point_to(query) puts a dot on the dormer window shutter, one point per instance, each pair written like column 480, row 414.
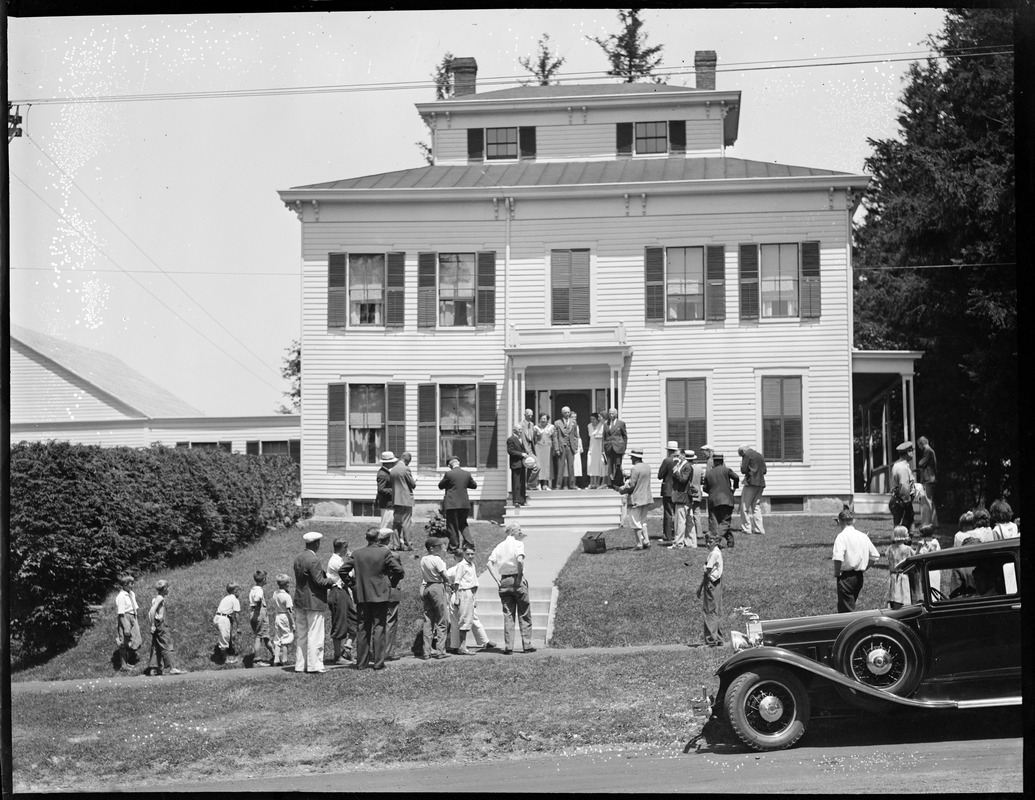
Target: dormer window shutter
column 526, row 143
column 337, row 292
column 749, row 301
column 475, row 144
column 624, row 139
column 654, row 284
column 486, row 300
column 427, row 278
column 715, row 281
column 677, row 137
column 395, row 283
column 810, row 294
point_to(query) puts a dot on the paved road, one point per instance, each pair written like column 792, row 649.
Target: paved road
column 925, row 754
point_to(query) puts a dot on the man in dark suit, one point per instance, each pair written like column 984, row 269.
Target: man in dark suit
column 310, row 601
column 457, row 503
column 528, row 436
column 384, row 535
column 615, row 438
column 720, row 482
column 385, row 494
column 377, row 570
column 517, row 451
column 668, row 506
column 565, row 438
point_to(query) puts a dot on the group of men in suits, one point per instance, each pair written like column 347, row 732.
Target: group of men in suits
column 395, row 485
column 376, row 572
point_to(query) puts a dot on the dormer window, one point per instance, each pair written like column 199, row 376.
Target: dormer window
column 500, row 144
column 650, row 138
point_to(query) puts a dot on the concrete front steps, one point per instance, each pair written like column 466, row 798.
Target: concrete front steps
column 554, row 523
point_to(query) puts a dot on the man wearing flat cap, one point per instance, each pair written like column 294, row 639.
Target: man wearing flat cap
column 902, row 487
column 377, row 570
column 311, row 584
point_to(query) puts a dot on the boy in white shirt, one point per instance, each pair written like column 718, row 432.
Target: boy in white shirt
column 127, row 632
column 463, row 614
column 283, row 626
column 161, row 636
column 225, row 621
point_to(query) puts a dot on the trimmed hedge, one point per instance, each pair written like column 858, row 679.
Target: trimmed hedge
column 83, row 514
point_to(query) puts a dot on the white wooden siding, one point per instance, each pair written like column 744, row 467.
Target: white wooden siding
column 731, row 353
column 43, row 392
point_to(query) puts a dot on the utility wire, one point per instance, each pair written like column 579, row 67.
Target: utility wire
column 745, row 66
column 96, row 205
column 141, row 285
column 933, row 266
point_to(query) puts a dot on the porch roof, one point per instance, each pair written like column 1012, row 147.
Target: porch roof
column 874, row 371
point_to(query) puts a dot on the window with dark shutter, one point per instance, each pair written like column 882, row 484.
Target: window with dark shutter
column 487, row 430
column 810, row 286
column 427, row 426
column 295, row 450
column 337, row 426
column 654, row 284
column 569, row 287
column 749, row 281
column 677, row 137
column 624, row 139
column 427, row 307
column 337, row 292
column 782, row 428
column 715, row 282
column 396, row 417
column 686, row 411
column 527, row 141
column 475, row 144
column 395, row 297
column 251, row 448
column 485, row 303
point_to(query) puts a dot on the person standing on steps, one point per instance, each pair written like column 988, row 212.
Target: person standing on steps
column 528, row 437
column 544, row 451
column 507, row 567
column 565, row 442
column 615, row 439
column 517, row 452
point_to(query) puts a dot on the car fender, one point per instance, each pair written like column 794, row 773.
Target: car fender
column 746, row 659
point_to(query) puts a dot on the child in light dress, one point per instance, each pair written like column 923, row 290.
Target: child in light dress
column 283, row 628
column 897, row 552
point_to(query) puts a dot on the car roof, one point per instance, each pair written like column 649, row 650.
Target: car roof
column 952, row 553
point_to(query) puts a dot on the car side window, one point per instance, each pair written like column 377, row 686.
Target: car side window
column 988, row 576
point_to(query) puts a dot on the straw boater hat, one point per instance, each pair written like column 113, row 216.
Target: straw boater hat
column 388, row 457
column 636, row 454
column 672, row 445
column 707, row 447
column 312, row 536
column 689, row 453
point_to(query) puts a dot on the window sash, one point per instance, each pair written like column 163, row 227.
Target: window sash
column 684, row 283
column 686, row 411
column 456, row 289
column 367, row 415
column 501, row 143
column 778, row 280
column 651, row 137
column 782, row 418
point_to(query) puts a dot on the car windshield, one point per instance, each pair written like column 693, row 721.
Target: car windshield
column 978, row 575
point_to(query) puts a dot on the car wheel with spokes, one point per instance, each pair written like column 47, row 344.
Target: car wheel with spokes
column 884, row 656
column 767, row 708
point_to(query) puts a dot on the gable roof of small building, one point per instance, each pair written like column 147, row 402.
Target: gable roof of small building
column 107, row 373
column 573, row 173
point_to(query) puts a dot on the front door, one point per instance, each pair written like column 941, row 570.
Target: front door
column 580, row 401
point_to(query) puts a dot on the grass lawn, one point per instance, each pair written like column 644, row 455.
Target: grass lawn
column 266, row 722
column 641, row 597
column 197, row 589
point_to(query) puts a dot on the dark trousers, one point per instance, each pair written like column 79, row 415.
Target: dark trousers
column 516, row 603
column 849, row 584
column 614, row 467
column 711, row 608
column 344, row 618
column 517, row 484
column 901, row 511
column 436, row 617
column 719, row 518
column 565, row 468
column 370, row 638
column 668, row 520
column 161, row 645
column 456, row 527
column 392, row 632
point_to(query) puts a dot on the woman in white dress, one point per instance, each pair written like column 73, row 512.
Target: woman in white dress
column 577, row 471
column 595, row 467
column 544, row 451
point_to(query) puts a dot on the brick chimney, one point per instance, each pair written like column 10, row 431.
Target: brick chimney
column 704, row 66
column 465, row 76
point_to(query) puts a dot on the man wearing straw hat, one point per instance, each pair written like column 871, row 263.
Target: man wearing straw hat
column 385, row 494
column 638, row 488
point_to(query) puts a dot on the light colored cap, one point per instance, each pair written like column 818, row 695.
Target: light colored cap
column 384, row 533
column 312, row 536
column 672, row 445
column 707, row 447
column 904, row 447
column 388, row 457
column 690, row 454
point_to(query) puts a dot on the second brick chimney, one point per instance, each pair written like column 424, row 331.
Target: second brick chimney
column 465, row 76
column 704, row 67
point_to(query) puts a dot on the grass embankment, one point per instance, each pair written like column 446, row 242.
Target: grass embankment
column 267, row 722
column 197, row 589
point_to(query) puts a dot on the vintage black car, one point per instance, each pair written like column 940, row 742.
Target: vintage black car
column 958, row 645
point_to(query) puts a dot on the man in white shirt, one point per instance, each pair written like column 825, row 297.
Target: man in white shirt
column 507, row 567
column 853, row 552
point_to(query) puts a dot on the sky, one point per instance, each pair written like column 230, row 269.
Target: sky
column 151, row 228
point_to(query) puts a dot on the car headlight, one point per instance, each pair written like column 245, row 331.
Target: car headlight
column 753, row 637
column 739, row 641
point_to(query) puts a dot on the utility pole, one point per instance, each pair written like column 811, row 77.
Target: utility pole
column 14, row 122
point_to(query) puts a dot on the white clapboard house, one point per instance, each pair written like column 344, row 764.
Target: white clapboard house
column 585, row 246
column 63, row 391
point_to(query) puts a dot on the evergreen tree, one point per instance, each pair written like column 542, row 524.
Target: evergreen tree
column 631, row 59
column 943, row 193
column 546, row 63
column 443, row 79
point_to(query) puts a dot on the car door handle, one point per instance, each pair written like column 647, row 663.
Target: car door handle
column 1015, row 607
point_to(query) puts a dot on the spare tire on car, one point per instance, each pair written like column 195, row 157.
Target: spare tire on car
column 880, row 653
